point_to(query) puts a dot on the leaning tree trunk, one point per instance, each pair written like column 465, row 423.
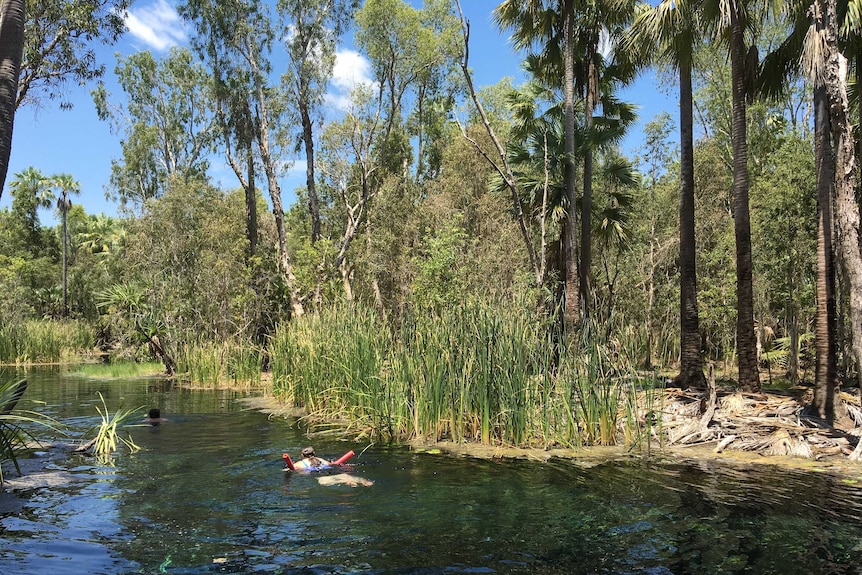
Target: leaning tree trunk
column 691, row 362
column 11, row 52
column 749, row 378
column 826, row 371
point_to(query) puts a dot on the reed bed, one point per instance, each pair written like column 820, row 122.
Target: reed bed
column 474, row 373
column 44, row 341
column 213, row 364
column 119, row 369
column 330, row 363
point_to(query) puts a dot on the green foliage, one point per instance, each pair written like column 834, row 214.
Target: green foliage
column 15, row 423
column 117, row 370
column 107, row 437
column 330, row 363
column 47, row 341
column 216, row 364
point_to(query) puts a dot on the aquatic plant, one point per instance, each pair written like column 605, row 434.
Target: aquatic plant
column 118, row 369
column 107, row 438
column 330, row 363
column 14, row 435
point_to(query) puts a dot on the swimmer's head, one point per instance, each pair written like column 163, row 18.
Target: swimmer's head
column 308, row 452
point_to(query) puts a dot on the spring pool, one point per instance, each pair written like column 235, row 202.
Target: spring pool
column 207, row 494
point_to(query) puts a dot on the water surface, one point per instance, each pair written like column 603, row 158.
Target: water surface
column 207, row 494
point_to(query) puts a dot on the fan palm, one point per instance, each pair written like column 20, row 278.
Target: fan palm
column 667, row 33
column 567, row 34
column 66, row 184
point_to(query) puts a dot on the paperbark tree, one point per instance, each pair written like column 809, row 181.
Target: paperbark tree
column 314, row 28
column 235, row 40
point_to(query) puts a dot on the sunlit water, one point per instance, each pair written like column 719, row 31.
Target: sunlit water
column 207, row 494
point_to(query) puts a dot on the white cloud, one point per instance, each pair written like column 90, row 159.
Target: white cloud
column 156, row 24
column 351, row 71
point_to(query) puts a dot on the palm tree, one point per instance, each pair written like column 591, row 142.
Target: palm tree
column 668, row 33
column 12, row 15
column 31, row 191
column 66, row 184
column 732, row 21
column 568, row 34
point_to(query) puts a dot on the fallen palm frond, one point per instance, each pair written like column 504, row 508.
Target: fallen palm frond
column 769, row 423
column 107, row 438
column 14, row 435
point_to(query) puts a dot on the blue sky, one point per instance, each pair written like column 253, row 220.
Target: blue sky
column 78, row 143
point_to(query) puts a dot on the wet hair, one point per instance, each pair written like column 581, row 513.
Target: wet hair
column 154, row 413
column 308, row 452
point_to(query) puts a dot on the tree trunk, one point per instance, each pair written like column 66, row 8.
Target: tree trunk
column 749, row 378
column 251, row 203
column 825, row 373
column 63, row 213
column 308, row 140
column 691, row 362
column 846, row 208
column 585, row 291
column 572, row 309
column 11, row 52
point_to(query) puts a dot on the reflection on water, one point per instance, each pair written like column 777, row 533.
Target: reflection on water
column 207, row 494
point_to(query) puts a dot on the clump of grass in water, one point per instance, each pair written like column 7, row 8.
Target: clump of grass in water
column 107, row 438
column 119, row 370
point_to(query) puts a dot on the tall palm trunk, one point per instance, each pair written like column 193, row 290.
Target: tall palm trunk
column 11, row 52
column 825, row 375
column 846, row 208
column 585, row 291
column 63, row 213
column 570, row 240
column 749, row 378
column 691, row 363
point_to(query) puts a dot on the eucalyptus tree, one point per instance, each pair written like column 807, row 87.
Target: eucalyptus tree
column 235, row 41
column 66, row 185
column 167, row 121
column 314, row 27
column 403, row 45
column 667, row 34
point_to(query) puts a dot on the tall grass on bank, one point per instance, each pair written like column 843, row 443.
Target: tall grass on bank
column 119, row 369
column 330, row 363
column 479, row 372
column 44, row 341
column 473, row 373
column 213, row 364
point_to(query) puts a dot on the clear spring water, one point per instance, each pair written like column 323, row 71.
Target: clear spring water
column 207, row 494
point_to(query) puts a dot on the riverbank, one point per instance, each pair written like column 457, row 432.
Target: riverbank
column 769, row 428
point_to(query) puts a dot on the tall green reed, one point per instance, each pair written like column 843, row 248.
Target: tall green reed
column 213, row 364
column 44, row 341
column 330, row 363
